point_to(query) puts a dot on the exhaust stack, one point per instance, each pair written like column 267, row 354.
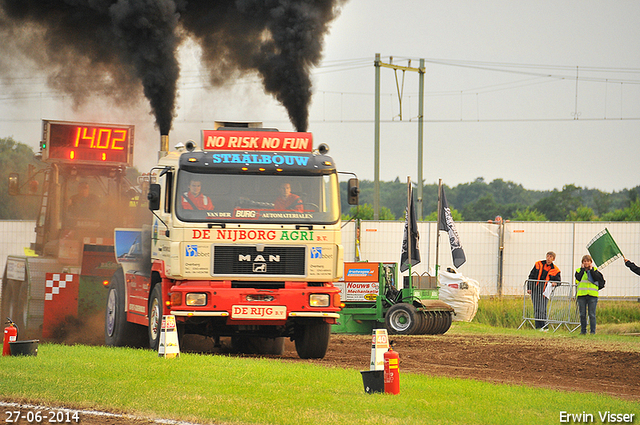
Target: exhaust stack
column 164, row 145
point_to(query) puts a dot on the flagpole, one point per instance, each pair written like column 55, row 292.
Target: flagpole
column 409, row 227
column 438, row 223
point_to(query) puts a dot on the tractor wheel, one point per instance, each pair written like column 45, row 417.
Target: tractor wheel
column 118, row 332
column 312, row 340
column 402, row 319
column 155, row 317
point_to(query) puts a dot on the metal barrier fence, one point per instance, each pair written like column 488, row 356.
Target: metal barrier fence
column 549, row 307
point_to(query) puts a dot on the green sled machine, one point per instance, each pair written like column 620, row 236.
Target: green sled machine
column 372, row 300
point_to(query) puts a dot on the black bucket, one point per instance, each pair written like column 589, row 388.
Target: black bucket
column 24, row 348
column 373, row 381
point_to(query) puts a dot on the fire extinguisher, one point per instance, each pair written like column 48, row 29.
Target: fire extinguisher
column 10, row 335
column 391, row 372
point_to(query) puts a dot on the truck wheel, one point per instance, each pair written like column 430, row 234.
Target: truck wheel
column 402, row 319
column 155, row 317
column 118, row 332
column 313, row 340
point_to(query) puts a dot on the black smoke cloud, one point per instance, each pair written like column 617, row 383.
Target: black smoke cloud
column 112, row 48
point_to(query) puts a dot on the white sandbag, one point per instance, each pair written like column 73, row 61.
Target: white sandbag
column 461, row 293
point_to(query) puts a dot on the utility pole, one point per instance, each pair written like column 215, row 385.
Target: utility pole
column 376, row 184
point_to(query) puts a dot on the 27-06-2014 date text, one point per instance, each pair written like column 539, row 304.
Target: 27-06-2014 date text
column 41, row 417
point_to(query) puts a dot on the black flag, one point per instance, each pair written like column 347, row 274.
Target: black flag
column 410, row 228
column 446, row 224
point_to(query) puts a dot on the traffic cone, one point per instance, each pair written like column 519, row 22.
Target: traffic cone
column 379, row 346
column 168, row 345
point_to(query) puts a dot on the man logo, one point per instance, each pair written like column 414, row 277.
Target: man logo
column 191, row 251
column 259, row 267
column 316, row 252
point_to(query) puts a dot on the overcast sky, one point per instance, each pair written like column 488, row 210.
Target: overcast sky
column 501, row 96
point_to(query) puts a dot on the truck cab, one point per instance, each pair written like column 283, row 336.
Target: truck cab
column 244, row 243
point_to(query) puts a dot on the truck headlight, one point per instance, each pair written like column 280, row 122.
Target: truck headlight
column 319, row 300
column 196, row 299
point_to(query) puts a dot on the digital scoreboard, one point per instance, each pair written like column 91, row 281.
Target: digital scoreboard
column 64, row 141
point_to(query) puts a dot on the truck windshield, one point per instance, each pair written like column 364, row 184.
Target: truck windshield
column 257, row 198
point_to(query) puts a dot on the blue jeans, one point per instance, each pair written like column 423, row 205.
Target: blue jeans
column 587, row 302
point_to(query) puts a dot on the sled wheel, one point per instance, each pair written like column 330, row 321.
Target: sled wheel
column 402, row 319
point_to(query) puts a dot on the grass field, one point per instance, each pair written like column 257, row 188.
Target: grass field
column 234, row 390
column 613, row 317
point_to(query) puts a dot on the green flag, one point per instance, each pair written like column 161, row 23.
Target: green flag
column 603, row 249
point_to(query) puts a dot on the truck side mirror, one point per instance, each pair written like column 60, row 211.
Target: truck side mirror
column 353, row 191
column 14, row 184
column 153, row 196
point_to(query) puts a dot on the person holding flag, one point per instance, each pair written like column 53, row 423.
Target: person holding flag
column 589, row 281
column 632, row 266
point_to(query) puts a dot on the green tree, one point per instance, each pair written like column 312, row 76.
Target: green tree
column 582, row 214
column 556, row 207
column 528, row 214
column 630, row 213
column 15, row 157
column 365, row 212
column 454, row 214
column 485, row 208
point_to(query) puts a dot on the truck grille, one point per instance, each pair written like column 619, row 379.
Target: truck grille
column 247, row 260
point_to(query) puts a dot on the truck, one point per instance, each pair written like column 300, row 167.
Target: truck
column 84, row 195
column 252, row 254
column 243, row 264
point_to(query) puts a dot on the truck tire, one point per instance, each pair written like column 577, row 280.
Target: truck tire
column 312, row 340
column 118, row 332
column 402, row 319
column 155, row 317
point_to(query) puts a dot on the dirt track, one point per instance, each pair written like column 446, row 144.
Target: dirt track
column 567, row 364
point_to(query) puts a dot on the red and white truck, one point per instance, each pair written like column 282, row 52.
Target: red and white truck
column 252, row 255
column 245, row 264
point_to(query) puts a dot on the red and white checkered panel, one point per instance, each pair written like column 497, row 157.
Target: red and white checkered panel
column 60, row 300
column 97, row 241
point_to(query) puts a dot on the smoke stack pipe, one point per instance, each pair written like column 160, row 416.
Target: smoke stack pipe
column 164, row 145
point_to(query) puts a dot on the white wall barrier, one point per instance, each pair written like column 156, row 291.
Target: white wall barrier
column 16, row 235
column 496, row 270
column 500, row 257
